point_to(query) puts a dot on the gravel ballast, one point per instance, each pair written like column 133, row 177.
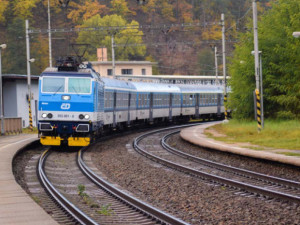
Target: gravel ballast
column 191, row 199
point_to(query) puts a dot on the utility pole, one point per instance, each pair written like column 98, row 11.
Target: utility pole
column 49, row 33
column 216, row 64
column 257, row 68
column 28, row 73
column 113, row 56
column 3, row 46
column 224, row 64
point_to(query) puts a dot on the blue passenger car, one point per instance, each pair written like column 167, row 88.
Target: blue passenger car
column 120, row 102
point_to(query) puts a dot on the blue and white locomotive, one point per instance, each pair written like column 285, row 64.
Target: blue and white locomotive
column 76, row 104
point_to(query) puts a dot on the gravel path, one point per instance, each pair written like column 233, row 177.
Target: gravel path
column 186, row 197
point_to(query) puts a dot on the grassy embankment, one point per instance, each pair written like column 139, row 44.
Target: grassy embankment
column 276, row 134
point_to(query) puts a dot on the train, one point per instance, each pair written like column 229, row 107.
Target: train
column 76, row 105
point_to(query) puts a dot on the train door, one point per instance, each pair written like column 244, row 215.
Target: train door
column 129, row 105
column 151, row 108
column 114, row 110
column 170, row 107
column 197, row 105
column 219, row 104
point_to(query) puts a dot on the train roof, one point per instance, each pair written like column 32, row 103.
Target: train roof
column 154, row 87
column 53, row 71
column 117, row 84
column 185, row 88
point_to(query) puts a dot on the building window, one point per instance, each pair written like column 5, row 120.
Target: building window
column 143, row 71
column 126, row 71
column 109, row 72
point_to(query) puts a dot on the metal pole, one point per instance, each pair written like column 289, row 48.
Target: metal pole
column 113, row 56
column 256, row 53
column 256, row 59
column 261, row 91
column 49, row 32
column 216, row 64
column 1, row 106
column 28, row 72
column 224, row 63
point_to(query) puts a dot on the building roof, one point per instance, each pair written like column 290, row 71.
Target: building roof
column 123, row 63
column 19, row 76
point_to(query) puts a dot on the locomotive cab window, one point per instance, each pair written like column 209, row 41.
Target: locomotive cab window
column 79, row 85
column 53, row 85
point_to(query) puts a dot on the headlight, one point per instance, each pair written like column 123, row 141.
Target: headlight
column 50, row 115
column 65, row 97
column 81, row 116
column 87, row 117
column 44, row 115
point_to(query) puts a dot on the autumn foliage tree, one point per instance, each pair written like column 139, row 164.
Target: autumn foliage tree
column 175, row 57
column 102, row 37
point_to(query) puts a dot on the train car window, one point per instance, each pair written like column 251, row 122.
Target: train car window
column 106, row 100
column 139, row 103
column 111, row 97
column 216, row 99
column 201, row 99
column 191, row 99
column 79, row 85
column 178, row 100
column 54, row 85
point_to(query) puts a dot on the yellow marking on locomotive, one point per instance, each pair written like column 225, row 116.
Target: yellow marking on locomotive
column 79, row 141
column 49, row 140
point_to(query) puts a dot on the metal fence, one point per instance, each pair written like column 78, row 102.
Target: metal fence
column 12, row 125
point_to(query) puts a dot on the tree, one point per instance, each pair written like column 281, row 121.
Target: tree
column 4, row 5
column 84, row 10
column 281, row 64
column 102, row 38
column 15, row 55
column 206, row 62
column 120, row 8
column 23, row 8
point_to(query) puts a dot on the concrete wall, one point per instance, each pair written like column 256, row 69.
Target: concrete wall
column 10, row 98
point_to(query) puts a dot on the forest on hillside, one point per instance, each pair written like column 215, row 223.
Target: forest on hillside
column 178, row 34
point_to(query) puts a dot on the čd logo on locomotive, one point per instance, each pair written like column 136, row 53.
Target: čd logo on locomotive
column 65, row 106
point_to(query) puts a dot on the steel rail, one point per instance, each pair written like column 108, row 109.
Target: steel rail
column 135, row 203
column 277, row 180
column 69, row 207
column 213, row 178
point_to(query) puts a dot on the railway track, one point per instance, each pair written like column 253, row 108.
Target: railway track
column 117, row 206
column 153, row 145
column 27, row 177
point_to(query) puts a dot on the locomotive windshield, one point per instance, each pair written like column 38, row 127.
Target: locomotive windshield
column 66, row 85
column 55, row 85
column 79, row 85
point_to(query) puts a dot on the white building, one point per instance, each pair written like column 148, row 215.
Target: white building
column 104, row 67
column 15, row 104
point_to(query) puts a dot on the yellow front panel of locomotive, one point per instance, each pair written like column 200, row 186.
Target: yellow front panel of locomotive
column 78, row 141
column 49, row 140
